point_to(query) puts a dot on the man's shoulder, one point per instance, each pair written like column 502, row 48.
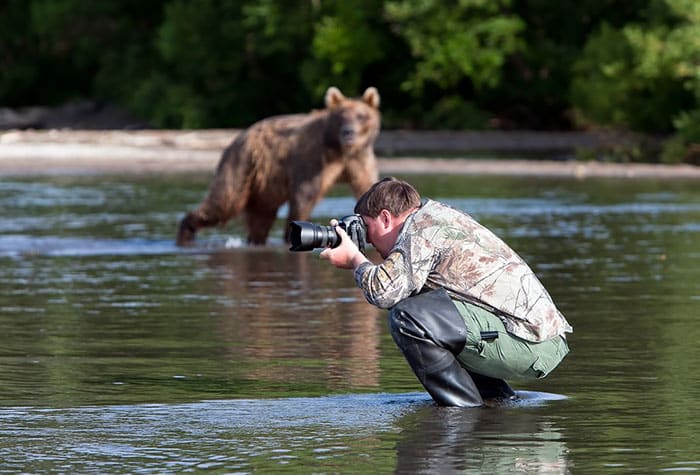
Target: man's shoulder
column 433, row 218
column 439, row 209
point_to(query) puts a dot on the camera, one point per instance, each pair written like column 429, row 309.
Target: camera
column 305, row 236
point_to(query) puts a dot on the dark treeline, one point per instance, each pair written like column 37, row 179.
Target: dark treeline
column 462, row 64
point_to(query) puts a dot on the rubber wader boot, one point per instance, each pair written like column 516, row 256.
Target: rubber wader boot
column 492, row 388
column 430, row 332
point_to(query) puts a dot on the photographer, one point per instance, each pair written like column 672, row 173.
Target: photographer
column 466, row 311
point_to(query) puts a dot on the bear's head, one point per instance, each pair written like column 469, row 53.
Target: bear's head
column 353, row 124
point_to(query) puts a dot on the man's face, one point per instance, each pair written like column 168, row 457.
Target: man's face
column 380, row 232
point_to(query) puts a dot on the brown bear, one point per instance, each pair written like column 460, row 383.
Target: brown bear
column 295, row 158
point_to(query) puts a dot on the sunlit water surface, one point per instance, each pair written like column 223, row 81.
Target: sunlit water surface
column 120, row 352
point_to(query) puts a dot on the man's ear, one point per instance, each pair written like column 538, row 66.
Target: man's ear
column 386, row 218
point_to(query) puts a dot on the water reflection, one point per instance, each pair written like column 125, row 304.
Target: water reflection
column 496, row 440
column 323, row 316
column 182, row 326
column 121, row 352
column 19, row 246
column 411, row 434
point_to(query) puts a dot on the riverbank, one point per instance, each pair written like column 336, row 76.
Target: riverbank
column 31, row 153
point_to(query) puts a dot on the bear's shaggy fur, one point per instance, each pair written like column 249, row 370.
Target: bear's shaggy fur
column 295, row 158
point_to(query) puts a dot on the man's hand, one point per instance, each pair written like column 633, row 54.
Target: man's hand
column 346, row 255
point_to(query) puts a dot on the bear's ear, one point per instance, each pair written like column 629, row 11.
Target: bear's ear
column 334, row 97
column 371, row 97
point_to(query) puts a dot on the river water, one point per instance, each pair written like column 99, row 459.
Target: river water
column 121, row 353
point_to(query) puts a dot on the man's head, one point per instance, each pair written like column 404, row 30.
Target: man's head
column 384, row 208
column 391, row 194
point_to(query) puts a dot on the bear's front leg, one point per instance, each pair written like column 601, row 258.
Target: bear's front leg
column 361, row 173
column 300, row 209
column 259, row 223
column 187, row 230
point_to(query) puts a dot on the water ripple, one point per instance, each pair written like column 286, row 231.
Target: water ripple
column 13, row 245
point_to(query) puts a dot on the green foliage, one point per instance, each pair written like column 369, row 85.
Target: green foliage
column 683, row 146
column 221, row 59
column 462, row 64
column 450, row 42
column 17, row 72
column 90, row 49
column 645, row 75
column 601, row 86
column 347, row 40
column 453, row 112
column 629, row 78
column 534, row 93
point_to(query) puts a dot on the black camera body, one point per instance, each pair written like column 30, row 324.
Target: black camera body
column 305, row 236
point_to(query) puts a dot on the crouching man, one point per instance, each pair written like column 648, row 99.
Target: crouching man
column 466, row 311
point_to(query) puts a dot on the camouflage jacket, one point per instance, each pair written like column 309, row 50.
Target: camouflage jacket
column 439, row 246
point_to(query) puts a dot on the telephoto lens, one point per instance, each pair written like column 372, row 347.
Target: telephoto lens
column 305, row 236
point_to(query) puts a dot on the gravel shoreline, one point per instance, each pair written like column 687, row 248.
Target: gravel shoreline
column 32, row 153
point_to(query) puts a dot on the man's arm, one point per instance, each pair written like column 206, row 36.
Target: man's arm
column 383, row 285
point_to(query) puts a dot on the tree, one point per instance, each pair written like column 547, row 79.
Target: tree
column 55, row 50
column 644, row 75
column 223, row 63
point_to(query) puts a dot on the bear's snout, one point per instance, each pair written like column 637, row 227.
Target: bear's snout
column 348, row 135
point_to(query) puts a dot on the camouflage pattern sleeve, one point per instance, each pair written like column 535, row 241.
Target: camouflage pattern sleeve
column 403, row 273
column 386, row 284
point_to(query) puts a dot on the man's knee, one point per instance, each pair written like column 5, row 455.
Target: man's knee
column 430, row 316
column 403, row 325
